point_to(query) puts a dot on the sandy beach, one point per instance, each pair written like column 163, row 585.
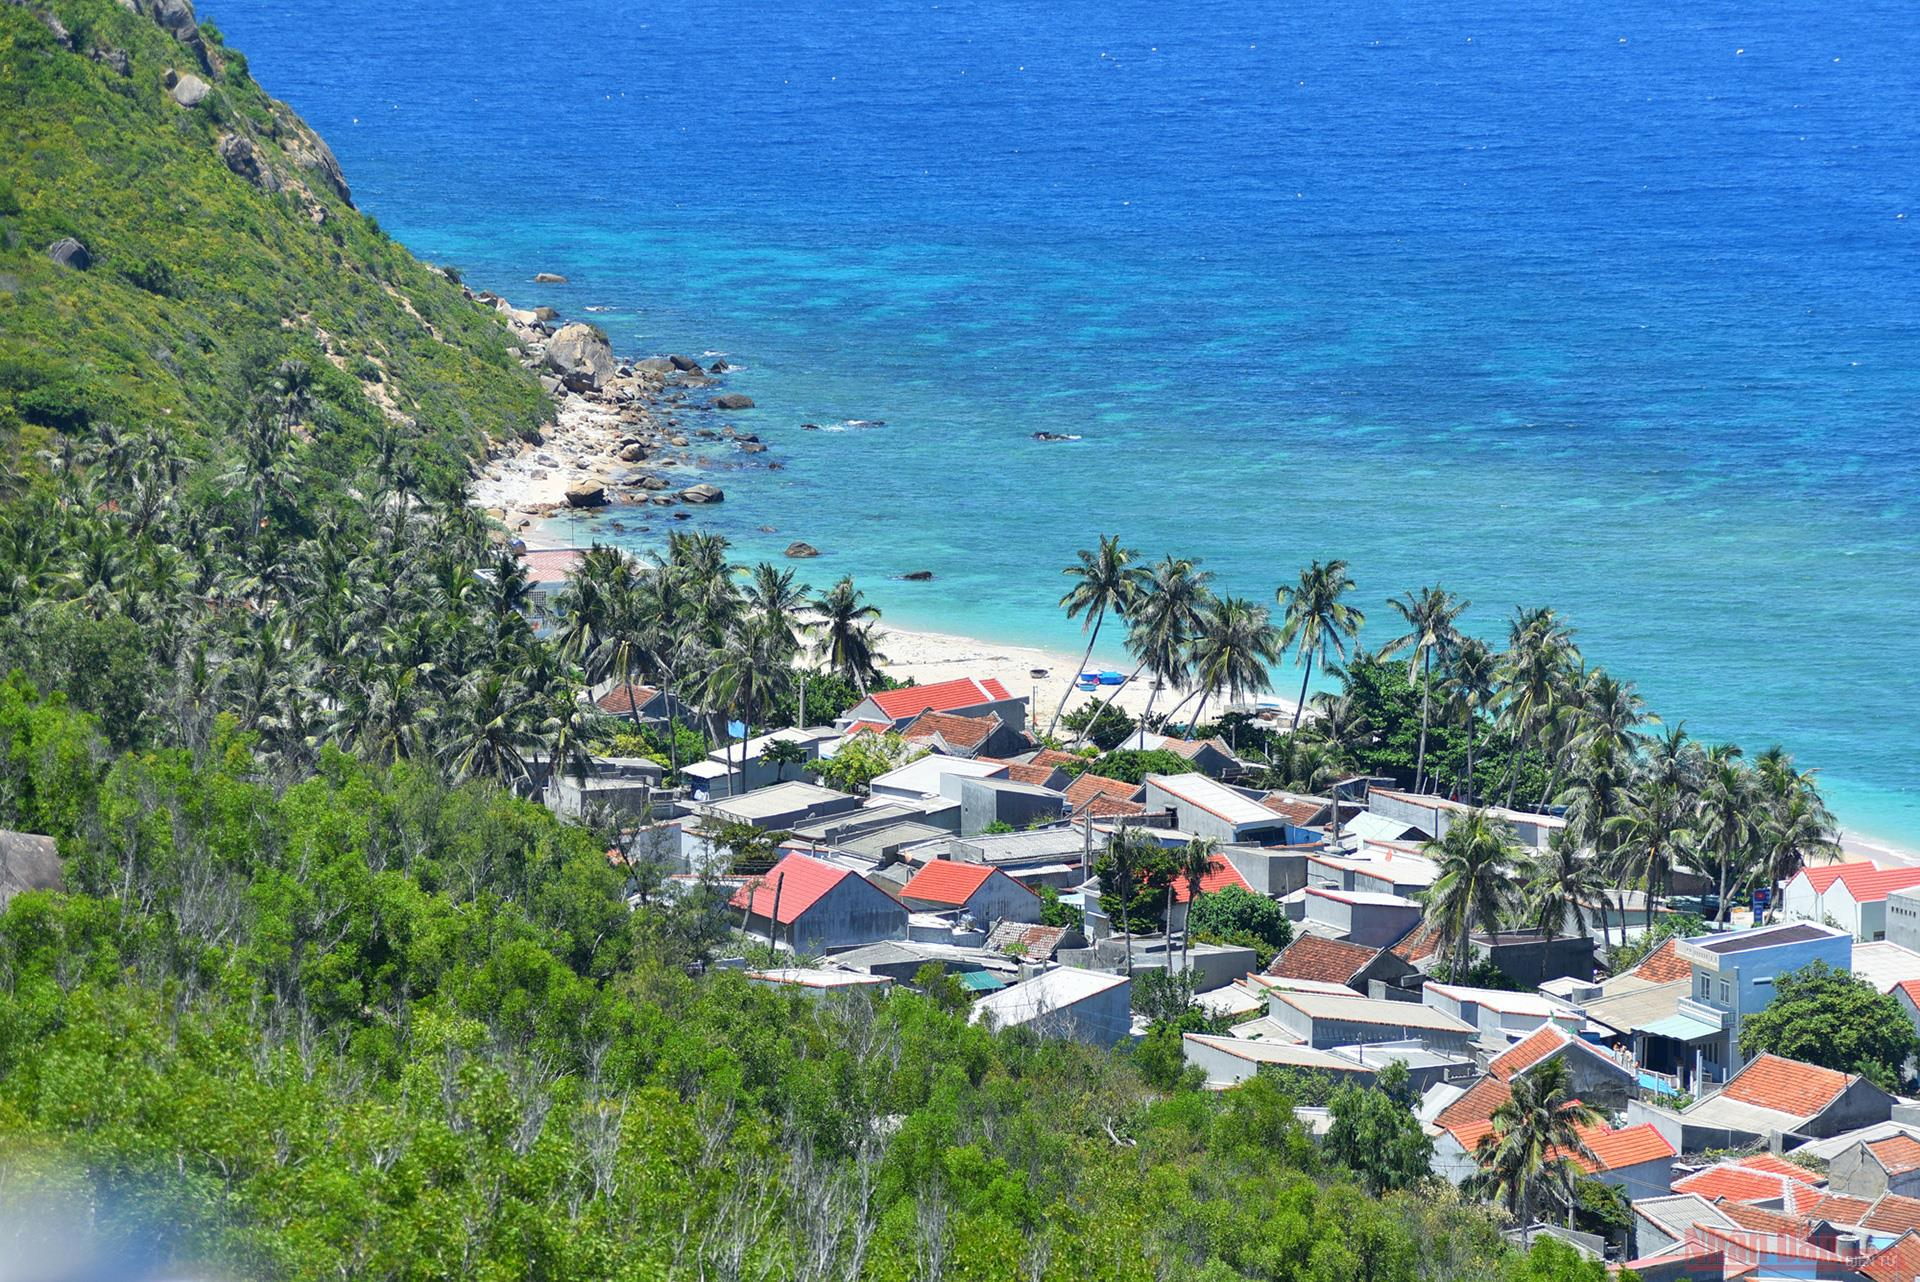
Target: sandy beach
column 926, row 657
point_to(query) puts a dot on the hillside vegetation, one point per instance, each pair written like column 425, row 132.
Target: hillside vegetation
column 222, row 238
column 324, row 994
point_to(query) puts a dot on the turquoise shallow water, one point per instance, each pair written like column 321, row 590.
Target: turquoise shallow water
column 1613, row 310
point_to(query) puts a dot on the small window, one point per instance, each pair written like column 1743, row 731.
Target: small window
column 1706, row 988
column 1724, row 991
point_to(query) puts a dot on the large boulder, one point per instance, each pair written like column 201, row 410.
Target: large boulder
column 189, row 90
column 586, row 494
column 244, row 159
column 801, row 551
column 549, row 278
column 581, row 356
column 701, row 493
column 733, row 401
column 69, row 252
column 685, row 364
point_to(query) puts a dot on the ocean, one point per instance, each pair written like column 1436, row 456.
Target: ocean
column 1611, row 307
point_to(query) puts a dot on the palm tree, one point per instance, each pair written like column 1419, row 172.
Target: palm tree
column 1727, row 817
column 1479, row 879
column 1533, row 681
column 750, row 672
column 1104, row 579
column 1794, row 823
column 845, row 625
column 487, row 732
column 1315, row 622
column 1563, row 882
column 1231, row 652
column 1468, row 683
column 1536, row 1137
column 1173, row 597
column 1127, row 849
column 1430, row 615
column 1192, row 864
column 1595, row 797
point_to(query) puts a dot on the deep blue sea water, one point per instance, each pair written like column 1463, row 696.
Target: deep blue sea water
column 1612, row 307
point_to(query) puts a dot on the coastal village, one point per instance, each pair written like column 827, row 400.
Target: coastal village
column 975, row 859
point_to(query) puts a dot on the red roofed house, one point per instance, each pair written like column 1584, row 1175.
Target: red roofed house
column 964, row 736
column 1774, row 1096
column 1088, row 788
column 1852, row 896
column 643, row 703
column 962, row 696
column 1220, row 874
column 980, row 890
column 1335, row 961
column 1873, row 1167
column 1595, row 1076
column 814, row 907
column 1637, row 1159
column 1899, row 1262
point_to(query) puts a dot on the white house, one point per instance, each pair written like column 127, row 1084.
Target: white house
column 1085, row 1005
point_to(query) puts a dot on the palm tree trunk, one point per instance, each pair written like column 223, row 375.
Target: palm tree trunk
column 1107, row 702
column 1471, row 729
column 1085, row 659
column 1301, row 704
column 1420, row 761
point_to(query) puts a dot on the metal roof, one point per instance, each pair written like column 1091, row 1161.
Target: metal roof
column 1224, row 803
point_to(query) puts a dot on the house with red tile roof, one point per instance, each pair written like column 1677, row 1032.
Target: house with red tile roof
column 1731, row 1182
column 812, row 906
column 964, row 736
column 1663, row 965
column 962, row 696
column 980, row 891
column 1087, row 788
column 1733, row 980
column 1872, row 1167
column 1636, row 1159
column 1211, row 757
column 1896, row 1262
column 1335, row 961
column 1594, row 1075
column 1892, row 1214
column 1774, row 1096
column 1040, row 776
column 1851, row 895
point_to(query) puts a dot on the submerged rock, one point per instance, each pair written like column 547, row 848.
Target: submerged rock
column 733, row 401
column 917, row 576
column 549, row 278
column 800, row 551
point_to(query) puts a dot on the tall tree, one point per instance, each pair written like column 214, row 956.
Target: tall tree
column 1727, row 811
column 1105, row 579
column 1430, row 615
column 1192, row 864
column 1173, row 598
column 1316, row 623
column 1233, row 651
column 1794, row 824
column 1479, row 880
column 845, row 626
column 1534, row 681
column 1469, row 684
column 1527, row 1159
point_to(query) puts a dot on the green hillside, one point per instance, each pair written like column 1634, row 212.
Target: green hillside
column 221, row 235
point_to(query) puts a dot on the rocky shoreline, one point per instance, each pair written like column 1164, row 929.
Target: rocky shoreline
column 627, row 433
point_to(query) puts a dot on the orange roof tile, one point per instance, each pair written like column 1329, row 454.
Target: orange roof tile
column 948, row 881
column 1630, row 1147
column 1220, row 874
column 1477, row 1105
column 1022, row 772
column 957, row 731
column 797, row 882
column 1293, row 809
column 550, row 565
column 1420, row 943
column 1897, row 1153
column 1786, row 1086
column 1105, row 807
column 1664, row 964
column 1897, row 1263
column 1028, row 941
column 1088, row 786
column 1054, row 757
column 1892, row 1213
column 1528, row 1051
column 1332, row 961
column 1872, row 886
column 622, row 699
column 1758, row 1219
column 1735, row 1184
column 1911, row 987
column 1823, row 877
column 868, row 727
column 941, row 696
column 1838, row 1208
column 1779, row 1166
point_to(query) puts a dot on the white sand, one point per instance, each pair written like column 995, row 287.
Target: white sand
column 927, row 657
